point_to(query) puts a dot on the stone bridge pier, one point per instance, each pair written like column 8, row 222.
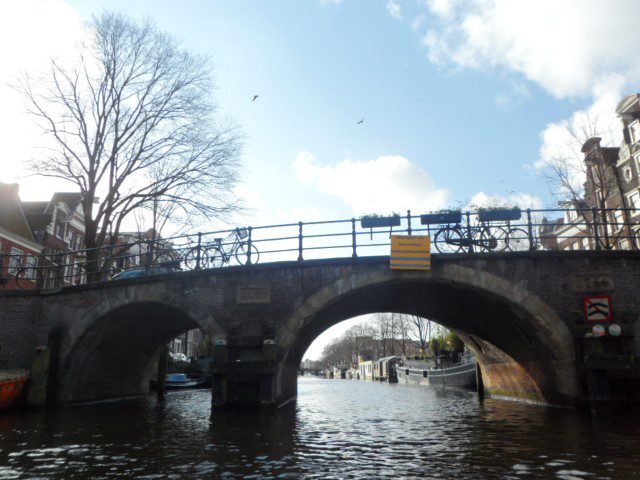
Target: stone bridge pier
column 521, row 313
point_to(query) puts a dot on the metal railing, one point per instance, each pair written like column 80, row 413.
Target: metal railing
column 490, row 230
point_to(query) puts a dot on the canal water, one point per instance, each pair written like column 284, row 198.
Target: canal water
column 336, row 429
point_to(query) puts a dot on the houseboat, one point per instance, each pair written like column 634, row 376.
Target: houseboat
column 366, row 369
column 387, row 369
column 455, row 371
column 340, row 372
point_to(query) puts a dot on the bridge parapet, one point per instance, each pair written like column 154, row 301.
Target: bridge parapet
column 522, row 312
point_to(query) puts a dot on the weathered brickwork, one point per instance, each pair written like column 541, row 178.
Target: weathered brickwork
column 525, row 306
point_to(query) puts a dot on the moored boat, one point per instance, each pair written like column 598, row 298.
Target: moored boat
column 13, row 387
column 459, row 374
column 179, row 381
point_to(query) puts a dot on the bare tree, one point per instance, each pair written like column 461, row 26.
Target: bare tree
column 132, row 121
column 583, row 176
column 420, row 331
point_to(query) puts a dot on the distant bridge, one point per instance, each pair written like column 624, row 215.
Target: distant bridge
column 521, row 312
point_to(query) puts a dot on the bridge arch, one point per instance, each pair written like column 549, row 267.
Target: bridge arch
column 111, row 351
column 523, row 346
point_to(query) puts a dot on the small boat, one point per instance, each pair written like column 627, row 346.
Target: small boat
column 179, row 381
column 13, row 387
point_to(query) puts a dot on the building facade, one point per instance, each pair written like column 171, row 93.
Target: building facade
column 58, row 225
column 606, row 215
column 19, row 249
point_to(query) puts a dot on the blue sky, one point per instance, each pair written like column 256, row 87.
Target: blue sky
column 461, row 99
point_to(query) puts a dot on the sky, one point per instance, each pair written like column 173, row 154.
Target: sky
column 463, row 101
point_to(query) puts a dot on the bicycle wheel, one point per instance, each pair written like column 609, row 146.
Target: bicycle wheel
column 493, row 239
column 448, row 240
column 190, row 259
column 242, row 251
column 217, row 258
column 517, row 240
column 635, row 241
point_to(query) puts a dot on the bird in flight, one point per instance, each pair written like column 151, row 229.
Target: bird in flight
column 360, row 122
column 255, row 97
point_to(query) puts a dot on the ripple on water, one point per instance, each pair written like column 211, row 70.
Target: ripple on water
column 338, row 429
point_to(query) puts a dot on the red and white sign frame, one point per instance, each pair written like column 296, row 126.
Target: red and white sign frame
column 598, row 308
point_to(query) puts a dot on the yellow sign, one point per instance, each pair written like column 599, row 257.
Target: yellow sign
column 410, row 252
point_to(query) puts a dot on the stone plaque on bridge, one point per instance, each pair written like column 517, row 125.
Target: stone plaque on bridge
column 596, row 282
column 254, row 294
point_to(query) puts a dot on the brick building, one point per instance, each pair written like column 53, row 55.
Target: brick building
column 18, row 246
column 611, row 203
column 58, row 225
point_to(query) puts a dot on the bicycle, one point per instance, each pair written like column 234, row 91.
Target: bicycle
column 216, row 255
column 485, row 237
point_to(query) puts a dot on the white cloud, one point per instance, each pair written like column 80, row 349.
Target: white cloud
column 382, row 185
column 574, row 48
column 37, row 31
column 565, row 47
column 562, row 141
column 394, row 9
column 514, row 199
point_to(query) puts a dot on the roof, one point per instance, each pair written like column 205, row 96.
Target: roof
column 34, row 211
column 629, row 104
column 72, row 199
column 386, row 359
column 12, row 217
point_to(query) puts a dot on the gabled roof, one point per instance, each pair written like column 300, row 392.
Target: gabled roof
column 72, row 199
column 12, row 217
column 629, row 104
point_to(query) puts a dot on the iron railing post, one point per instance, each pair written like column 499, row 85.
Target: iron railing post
column 408, row 222
column 59, row 270
column 300, row 241
column 354, row 254
column 594, row 216
column 149, row 258
column 3, row 280
column 198, row 251
column 249, row 243
column 530, row 230
column 468, row 215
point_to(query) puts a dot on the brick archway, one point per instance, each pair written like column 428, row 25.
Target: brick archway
column 110, row 352
column 530, row 350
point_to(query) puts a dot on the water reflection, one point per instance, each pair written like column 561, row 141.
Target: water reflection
column 337, row 429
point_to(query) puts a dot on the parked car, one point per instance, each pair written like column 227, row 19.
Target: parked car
column 140, row 272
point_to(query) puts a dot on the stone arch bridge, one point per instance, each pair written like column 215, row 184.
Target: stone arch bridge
column 521, row 312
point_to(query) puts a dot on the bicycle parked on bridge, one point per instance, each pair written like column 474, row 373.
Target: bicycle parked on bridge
column 222, row 251
column 484, row 237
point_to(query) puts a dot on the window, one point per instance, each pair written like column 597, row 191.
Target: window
column 15, row 260
column 633, row 131
column 585, row 244
column 634, row 200
column 618, row 218
column 627, row 174
column 31, row 264
column 59, row 230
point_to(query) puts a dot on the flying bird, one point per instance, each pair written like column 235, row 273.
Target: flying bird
column 360, row 122
column 255, row 97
